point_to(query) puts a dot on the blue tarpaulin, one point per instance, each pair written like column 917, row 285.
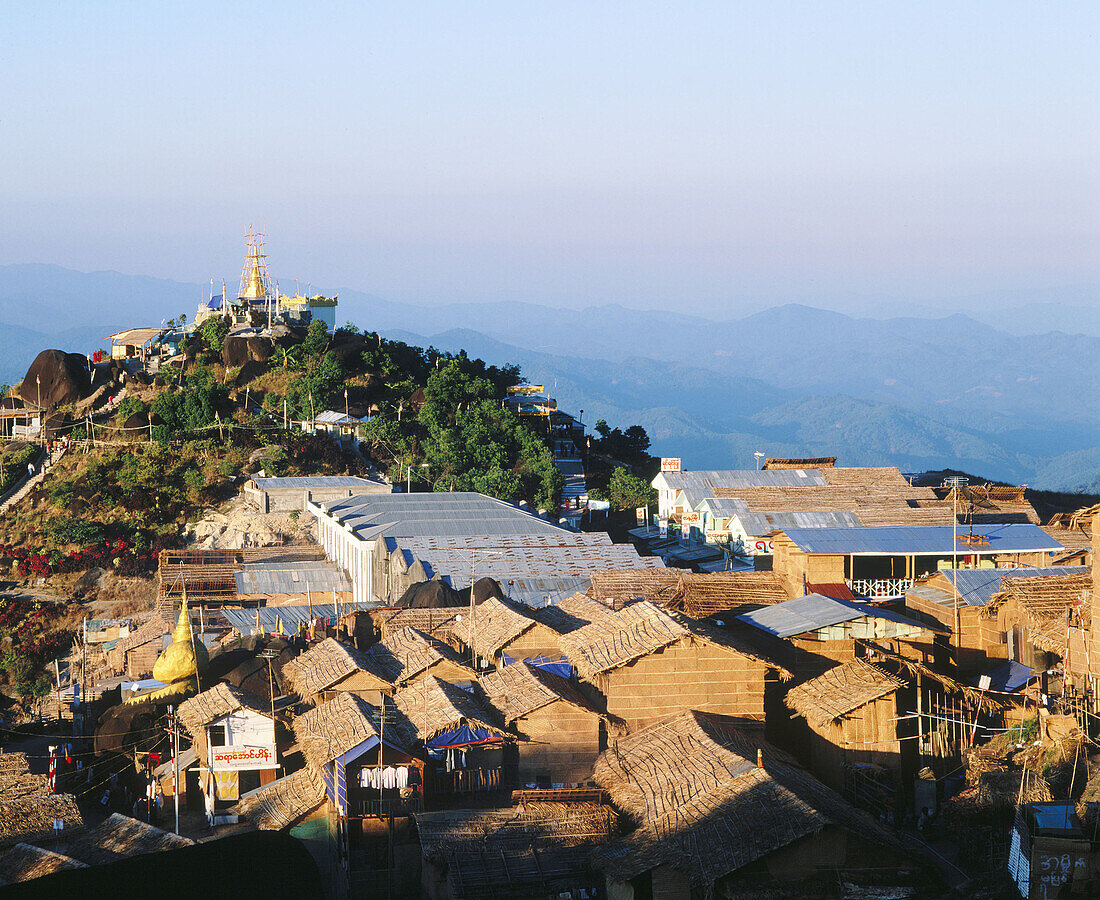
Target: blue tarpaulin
column 1008, row 677
column 560, row 666
column 463, row 736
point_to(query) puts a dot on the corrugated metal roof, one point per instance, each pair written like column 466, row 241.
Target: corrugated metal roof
column 724, row 506
column 705, row 481
column 244, row 620
column 923, row 540
column 757, row 524
column 976, row 587
column 540, row 590
column 513, row 562
column 816, row 611
column 296, row 580
column 312, row 482
column 332, row 417
column 429, row 514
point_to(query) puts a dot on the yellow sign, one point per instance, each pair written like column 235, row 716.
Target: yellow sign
column 527, row 389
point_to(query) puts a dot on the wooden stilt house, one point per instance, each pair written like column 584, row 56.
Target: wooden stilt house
column 561, row 733
column 468, row 747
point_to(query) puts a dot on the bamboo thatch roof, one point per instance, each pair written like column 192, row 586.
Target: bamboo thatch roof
column 539, row 850
column 520, row 689
column 703, row 805
column 803, row 462
column 573, row 612
column 491, row 626
column 322, row 665
column 636, row 630
column 16, row 780
column 333, row 728
column 435, row 621
column 218, row 701
column 840, row 691
column 432, row 707
column 151, row 630
column 282, row 803
column 120, row 837
column 1048, row 602
column 22, row 862
column 656, row 585
column 549, row 824
column 31, row 818
column 704, row 594
column 983, row 501
column 406, row 653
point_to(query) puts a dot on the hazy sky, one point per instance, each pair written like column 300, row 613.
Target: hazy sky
column 681, row 155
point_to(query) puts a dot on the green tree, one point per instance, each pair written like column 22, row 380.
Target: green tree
column 626, row 491
column 213, row 332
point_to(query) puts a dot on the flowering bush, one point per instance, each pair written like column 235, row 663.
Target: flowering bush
column 119, row 554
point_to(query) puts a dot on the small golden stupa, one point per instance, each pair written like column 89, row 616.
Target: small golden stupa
column 179, row 664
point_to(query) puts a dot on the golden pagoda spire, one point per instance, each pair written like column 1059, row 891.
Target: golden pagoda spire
column 179, row 664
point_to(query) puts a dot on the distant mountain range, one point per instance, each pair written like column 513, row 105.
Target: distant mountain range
column 917, row 392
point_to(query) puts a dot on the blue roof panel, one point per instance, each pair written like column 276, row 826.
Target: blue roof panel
column 816, row 611
column 923, row 540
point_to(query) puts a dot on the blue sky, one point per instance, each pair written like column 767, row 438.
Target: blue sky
column 701, row 156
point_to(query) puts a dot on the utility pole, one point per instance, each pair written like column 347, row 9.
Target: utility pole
column 473, row 614
column 176, row 758
column 956, row 482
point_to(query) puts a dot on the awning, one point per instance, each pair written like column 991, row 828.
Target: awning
column 463, row 736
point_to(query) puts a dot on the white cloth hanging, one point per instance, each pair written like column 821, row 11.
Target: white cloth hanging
column 402, row 777
column 389, row 777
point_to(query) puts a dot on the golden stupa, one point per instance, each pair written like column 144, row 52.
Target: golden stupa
column 179, row 664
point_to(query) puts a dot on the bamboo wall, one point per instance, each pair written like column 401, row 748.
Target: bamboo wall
column 685, row 676
column 979, row 637
column 866, row 735
column 537, row 641
column 562, row 743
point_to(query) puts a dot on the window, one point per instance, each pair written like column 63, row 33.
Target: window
column 216, row 735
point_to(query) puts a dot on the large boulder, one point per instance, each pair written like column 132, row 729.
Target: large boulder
column 239, row 349
column 59, row 378
column 430, row 595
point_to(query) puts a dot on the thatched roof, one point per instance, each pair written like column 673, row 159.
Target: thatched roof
column 152, row 630
column 432, row 707
column 22, row 862
column 703, row 805
column 638, row 629
column 656, row 585
column 32, row 818
column 220, row 700
column 1048, row 602
column 492, row 626
column 283, row 802
column 406, row 653
column 120, row 837
column 840, row 691
column 333, row 728
column 16, row 780
column 561, row 824
column 573, row 612
column 697, row 594
column 802, row 462
column 1005, row 503
column 538, row 850
column 520, row 689
column 435, row 622
column 322, row 665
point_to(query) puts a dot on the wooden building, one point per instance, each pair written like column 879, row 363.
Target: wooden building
column 561, row 732
column 649, row 663
column 853, row 717
column 501, row 632
column 435, row 622
column 959, row 602
column 720, row 812
column 135, row 654
column 233, row 736
column 881, row 562
column 404, row 656
column 812, row 633
column 472, row 751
